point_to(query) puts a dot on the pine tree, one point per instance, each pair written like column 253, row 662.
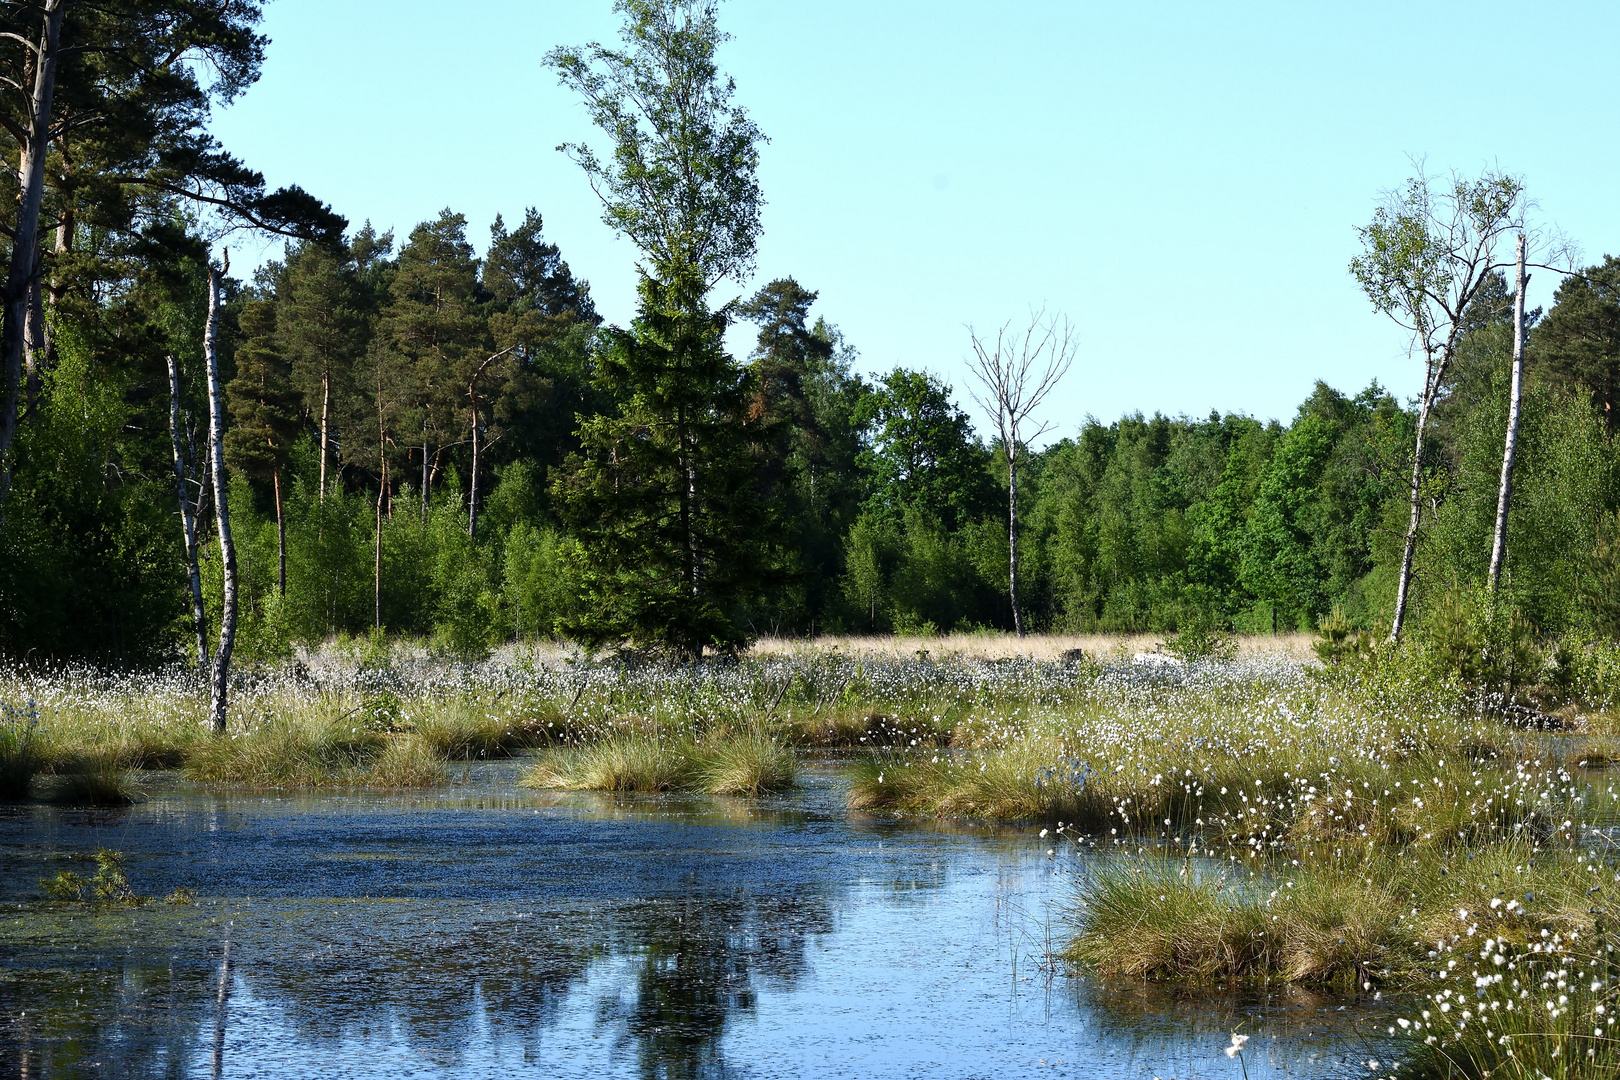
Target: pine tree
column 437, row 330
column 264, row 411
column 324, row 326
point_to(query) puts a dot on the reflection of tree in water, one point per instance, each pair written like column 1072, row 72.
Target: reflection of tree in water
column 432, row 971
column 136, row 1021
column 700, row 960
column 365, row 969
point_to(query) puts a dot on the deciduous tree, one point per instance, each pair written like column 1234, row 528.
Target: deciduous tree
column 1015, row 374
column 1425, row 255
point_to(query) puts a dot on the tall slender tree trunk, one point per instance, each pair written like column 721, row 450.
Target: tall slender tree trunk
column 326, row 427
column 376, row 555
column 188, row 519
column 24, row 266
column 424, row 478
column 1403, row 586
column 220, row 683
column 281, row 537
column 382, row 491
column 1012, row 539
column 472, row 491
column 1504, row 492
column 472, row 397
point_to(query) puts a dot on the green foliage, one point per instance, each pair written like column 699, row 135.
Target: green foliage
column 1564, row 483
column 674, row 538
column 681, row 182
column 921, row 455
column 540, row 590
column 89, row 556
column 1341, row 642
column 1201, row 640
column 109, row 886
column 1578, row 343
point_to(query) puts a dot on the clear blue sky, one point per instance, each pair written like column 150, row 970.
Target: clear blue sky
column 1181, row 179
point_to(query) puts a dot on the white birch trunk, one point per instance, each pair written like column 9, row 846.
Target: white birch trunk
column 220, row 681
column 1404, row 585
column 1504, row 491
column 1012, row 538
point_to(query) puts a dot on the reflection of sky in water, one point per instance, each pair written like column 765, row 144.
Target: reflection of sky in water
column 487, row 931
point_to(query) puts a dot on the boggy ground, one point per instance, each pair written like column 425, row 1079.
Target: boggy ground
column 1259, row 819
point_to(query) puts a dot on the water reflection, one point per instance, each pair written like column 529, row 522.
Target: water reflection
column 484, row 931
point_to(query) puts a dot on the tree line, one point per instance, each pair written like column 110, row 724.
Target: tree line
column 421, row 440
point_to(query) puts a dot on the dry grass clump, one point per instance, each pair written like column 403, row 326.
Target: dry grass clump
column 997, row 645
column 1150, row 920
column 747, row 763
column 1158, row 920
column 1374, row 918
column 624, row 763
column 470, row 731
column 301, row 754
column 406, row 761
column 1011, row 784
column 723, row 763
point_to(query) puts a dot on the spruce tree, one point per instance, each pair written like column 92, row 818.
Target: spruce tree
column 665, row 495
column 676, row 533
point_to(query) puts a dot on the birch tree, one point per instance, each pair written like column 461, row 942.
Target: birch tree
column 1425, row 255
column 1015, row 374
column 1504, row 491
column 219, row 682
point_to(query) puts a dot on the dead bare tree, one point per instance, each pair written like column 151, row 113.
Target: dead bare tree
column 219, row 682
column 1426, row 254
column 1015, row 374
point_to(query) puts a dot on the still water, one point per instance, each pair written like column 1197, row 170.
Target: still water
column 489, row 931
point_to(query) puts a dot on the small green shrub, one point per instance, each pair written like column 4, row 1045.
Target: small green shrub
column 1342, row 643
column 1202, row 639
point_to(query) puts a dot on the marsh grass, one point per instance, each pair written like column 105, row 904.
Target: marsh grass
column 745, row 763
column 722, row 763
column 1360, row 919
column 19, row 750
column 91, row 778
column 299, row 754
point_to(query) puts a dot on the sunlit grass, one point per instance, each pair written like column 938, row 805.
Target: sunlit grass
column 723, row 763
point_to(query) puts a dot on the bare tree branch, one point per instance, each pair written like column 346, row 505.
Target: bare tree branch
column 1015, row 374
